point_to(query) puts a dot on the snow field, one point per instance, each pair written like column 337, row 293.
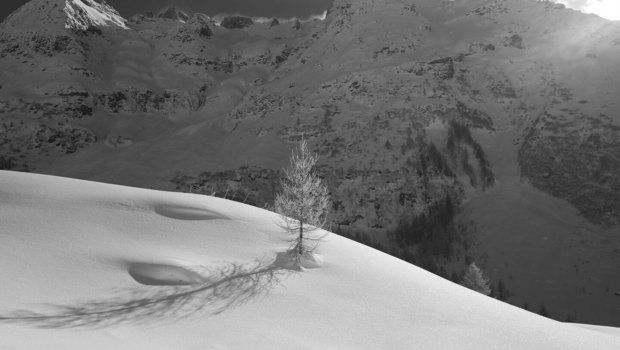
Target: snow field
column 210, row 274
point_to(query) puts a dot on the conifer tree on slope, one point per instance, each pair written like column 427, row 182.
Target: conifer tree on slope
column 304, row 200
column 475, row 279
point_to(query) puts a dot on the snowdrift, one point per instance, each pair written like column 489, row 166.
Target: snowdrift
column 98, row 266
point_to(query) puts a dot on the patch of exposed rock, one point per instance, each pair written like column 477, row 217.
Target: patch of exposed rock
column 169, row 102
column 581, row 165
column 236, row 22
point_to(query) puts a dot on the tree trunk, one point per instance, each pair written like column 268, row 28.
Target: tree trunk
column 300, row 245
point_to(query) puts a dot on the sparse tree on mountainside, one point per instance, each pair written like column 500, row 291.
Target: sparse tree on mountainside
column 502, row 292
column 304, row 200
column 475, row 279
column 542, row 311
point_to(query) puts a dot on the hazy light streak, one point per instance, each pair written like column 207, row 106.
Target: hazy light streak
column 609, row 9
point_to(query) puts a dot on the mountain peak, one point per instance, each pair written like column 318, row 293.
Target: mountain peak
column 84, row 14
column 172, row 12
column 55, row 15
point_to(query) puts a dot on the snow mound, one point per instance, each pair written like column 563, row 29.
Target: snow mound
column 98, row 266
column 287, row 260
column 85, row 14
column 187, row 213
column 163, row 275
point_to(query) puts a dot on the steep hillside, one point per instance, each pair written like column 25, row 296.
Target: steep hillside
column 446, row 129
column 101, row 266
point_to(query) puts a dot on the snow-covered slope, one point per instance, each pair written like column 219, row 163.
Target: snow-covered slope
column 97, row 266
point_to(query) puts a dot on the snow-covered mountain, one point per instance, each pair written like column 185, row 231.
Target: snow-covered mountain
column 97, row 266
column 174, row 13
column 85, row 14
column 448, row 131
column 54, row 15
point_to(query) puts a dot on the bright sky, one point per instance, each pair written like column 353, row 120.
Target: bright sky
column 609, row 9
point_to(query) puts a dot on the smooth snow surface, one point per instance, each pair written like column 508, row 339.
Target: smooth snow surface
column 87, row 265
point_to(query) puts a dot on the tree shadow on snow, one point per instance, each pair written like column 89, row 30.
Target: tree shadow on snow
column 227, row 286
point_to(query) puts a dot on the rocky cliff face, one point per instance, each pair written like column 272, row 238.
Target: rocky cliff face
column 56, row 15
column 84, row 15
column 403, row 100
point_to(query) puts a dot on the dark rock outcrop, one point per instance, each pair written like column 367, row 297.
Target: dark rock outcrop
column 236, row 22
column 168, row 102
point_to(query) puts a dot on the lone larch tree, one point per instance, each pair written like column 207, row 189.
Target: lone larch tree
column 304, row 200
column 475, row 279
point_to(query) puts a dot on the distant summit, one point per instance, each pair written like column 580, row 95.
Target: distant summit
column 172, row 12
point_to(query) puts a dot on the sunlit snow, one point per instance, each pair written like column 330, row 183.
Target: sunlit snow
column 96, row 14
column 97, row 266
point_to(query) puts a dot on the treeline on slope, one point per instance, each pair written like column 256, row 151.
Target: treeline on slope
column 431, row 159
column 427, row 237
column 248, row 184
column 459, row 136
column 7, row 163
column 429, row 252
column 432, row 230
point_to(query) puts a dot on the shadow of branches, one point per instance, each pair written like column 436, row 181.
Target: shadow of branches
column 229, row 286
